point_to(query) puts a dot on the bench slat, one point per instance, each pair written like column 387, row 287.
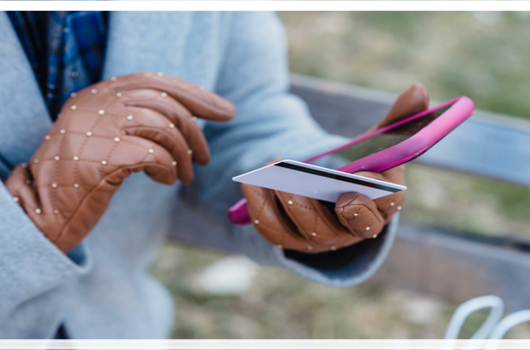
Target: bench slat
column 455, row 269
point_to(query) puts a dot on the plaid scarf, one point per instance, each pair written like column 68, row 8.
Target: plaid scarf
column 66, row 50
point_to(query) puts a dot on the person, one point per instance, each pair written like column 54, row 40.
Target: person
column 89, row 99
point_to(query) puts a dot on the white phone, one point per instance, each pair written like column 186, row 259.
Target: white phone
column 316, row 182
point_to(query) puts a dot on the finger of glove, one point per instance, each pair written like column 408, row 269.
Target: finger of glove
column 20, row 184
column 50, row 212
column 268, row 219
column 179, row 117
column 316, row 223
column 275, row 160
column 395, row 175
column 414, row 100
column 392, row 203
column 200, row 102
column 166, row 141
column 310, row 220
column 155, row 127
column 359, row 214
column 162, row 173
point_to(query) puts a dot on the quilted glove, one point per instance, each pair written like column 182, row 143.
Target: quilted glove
column 308, row 225
column 139, row 122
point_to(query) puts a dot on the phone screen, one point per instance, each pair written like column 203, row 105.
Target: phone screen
column 379, row 142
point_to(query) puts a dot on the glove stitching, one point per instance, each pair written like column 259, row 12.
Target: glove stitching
column 302, row 228
column 45, row 214
column 58, row 186
column 80, row 100
column 181, row 121
column 76, row 165
column 78, row 189
column 302, row 206
column 257, row 193
column 265, row 200
column 98, row 136
column 95, row 188
column 162, row 131
column 258, row 217
column 320, row 217
column 55, row 200
column 23, row 177
column 79, row 160
column 295, row 220
column 350, row 201
column 108, row 156
column 152, row 155
column 349, row 217
column 315, row 229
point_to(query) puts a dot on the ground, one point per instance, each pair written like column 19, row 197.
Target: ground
column 481, row 55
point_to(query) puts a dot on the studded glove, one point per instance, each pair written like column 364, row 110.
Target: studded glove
column 308, row 225
column 139, row 122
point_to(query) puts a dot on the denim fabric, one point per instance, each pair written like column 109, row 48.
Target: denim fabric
column 103, row 288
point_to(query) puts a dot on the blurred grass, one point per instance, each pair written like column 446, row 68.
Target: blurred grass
column 481, row 55
column 281, row 305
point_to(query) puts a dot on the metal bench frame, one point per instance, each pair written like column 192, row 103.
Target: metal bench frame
column 427, row 259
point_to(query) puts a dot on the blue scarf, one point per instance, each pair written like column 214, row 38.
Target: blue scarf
column 66, row 50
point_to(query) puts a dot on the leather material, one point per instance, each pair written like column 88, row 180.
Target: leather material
column 139, row 122
column 310, row 226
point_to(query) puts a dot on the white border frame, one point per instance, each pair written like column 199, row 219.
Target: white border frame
column 266, row 5
column 434, row 344
column 260, row 344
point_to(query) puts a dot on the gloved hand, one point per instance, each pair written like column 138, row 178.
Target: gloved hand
column 139, row 122
column 308, row 225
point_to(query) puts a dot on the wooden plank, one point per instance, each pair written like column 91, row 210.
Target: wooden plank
column 487, row 145
column 455, row 269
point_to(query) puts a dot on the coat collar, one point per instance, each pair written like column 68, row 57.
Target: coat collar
column 146, row 41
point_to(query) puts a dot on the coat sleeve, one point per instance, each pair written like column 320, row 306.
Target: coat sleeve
column 33, row 275
column 270, row 122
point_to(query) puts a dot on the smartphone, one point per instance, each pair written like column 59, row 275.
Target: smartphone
column 388, row 146
column 399, row 142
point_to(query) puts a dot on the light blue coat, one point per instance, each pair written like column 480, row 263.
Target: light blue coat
column 102, row 289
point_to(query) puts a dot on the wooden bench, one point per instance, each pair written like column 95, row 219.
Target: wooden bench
column 448, row 265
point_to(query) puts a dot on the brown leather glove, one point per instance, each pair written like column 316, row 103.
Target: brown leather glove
column 142, row 121
column 308, row 225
